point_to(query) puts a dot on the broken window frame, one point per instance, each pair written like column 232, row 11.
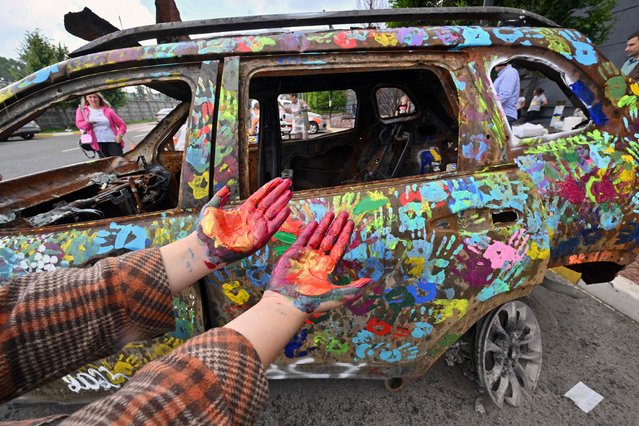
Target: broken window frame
column 557, row 70
column 443, row 69
column 69, row 180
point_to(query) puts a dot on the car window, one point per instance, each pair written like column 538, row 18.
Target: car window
column 307, row 115
column 393, row 102
column 127, row 128
column 546, row 105
column 356, row 146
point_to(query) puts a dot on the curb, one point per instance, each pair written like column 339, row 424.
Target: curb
column 52, row 134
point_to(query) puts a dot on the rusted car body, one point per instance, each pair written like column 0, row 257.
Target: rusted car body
column 444, row 249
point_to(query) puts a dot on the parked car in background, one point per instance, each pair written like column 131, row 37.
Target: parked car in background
column 26, row 132
column 162, row 113
column 316, row 122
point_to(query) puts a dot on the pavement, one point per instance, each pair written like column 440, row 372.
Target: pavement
column 621, row 294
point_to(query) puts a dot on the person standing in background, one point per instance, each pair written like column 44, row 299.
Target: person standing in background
column 507, row 88
column 521, row 103
column 538, row 101
column 96, row 118
column 299, row 110
column 630, row 67
column 255, row 120
column 403, row 107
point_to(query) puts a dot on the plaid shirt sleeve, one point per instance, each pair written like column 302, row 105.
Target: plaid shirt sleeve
column 54, row 322
column 215, row 378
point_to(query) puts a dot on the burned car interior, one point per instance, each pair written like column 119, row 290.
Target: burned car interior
column 381, row 145
column 146, row 179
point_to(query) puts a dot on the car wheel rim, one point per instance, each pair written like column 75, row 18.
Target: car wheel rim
column 313, row 128
column 509, row 353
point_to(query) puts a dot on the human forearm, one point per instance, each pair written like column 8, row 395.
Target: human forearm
column 54, row 322
column 214, row 378
column 269, row 325
column 185, row 262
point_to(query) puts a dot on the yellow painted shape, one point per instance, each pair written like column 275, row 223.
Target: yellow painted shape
column 568, row 274
column 200, row 185
column 376, row 196
column 239, row 298
column 417, row 266
column 534, row 252
column 446, row 308
column 386, row 39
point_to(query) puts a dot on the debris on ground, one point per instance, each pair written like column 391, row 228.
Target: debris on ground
column 584, row 397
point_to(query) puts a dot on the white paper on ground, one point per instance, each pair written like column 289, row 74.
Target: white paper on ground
column 584, row 397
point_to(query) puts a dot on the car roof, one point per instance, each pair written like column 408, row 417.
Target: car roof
column 129, row 37
column 569, row 43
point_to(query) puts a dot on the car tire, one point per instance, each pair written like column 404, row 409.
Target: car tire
column 313, row 127
column 28, row 136
column 507, row 353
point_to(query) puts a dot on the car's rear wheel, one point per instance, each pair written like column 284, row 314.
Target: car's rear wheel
column 27, row 136
column 508, row 353
column 313, row 127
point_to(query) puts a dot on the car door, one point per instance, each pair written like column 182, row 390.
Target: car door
column 443, row 249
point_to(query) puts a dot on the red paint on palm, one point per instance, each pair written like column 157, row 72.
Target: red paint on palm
column 232, row 234
column 302, row 272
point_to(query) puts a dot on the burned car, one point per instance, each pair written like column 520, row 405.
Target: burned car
column 456, row 219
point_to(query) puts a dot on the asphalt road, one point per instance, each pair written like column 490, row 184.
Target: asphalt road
column 45, row 152
column 583, row 340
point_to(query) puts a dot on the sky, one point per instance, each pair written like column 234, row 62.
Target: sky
column 18, row 17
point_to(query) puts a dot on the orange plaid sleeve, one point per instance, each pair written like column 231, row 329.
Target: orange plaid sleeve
column 215, row 379
column 54, row 322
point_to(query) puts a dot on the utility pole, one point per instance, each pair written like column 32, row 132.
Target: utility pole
column 330, row 106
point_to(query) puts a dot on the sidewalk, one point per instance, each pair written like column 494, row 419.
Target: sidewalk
column 622, row 294
column 42, row 135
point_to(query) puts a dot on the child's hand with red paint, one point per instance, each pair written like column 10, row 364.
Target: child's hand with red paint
column 229, row 235
column 301, row 274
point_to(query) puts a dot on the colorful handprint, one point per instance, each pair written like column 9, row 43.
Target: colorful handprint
column 301, row 274
column 229, row 235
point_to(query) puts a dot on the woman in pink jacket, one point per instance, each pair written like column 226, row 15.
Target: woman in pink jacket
column 96, row 118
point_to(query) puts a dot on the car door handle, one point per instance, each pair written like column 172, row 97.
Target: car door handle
column 476, row 220
column 504, row 217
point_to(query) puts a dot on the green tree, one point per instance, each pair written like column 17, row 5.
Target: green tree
column 592, row 17
column 318, row 101
column 37, row 51
column 116, row 97
column 10, row 69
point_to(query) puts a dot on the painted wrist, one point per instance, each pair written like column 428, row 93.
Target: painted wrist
column 206, row 251
column 305, row 304
column 284, row 305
